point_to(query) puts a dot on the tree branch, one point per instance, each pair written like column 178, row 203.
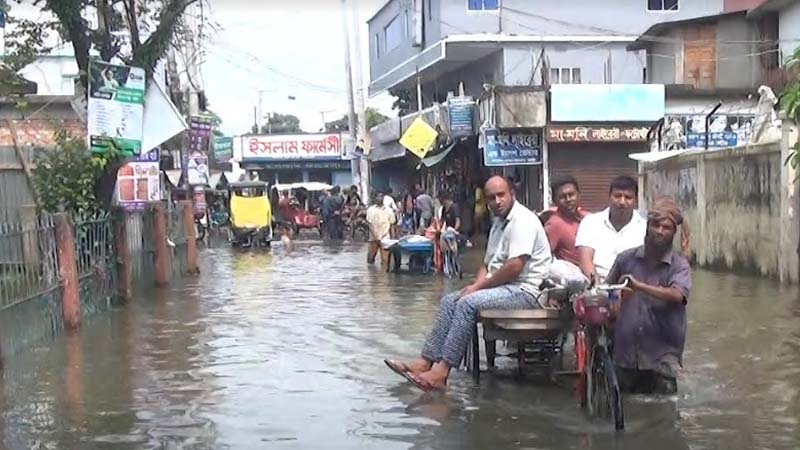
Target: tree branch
column 133, row 24
column 156, row 46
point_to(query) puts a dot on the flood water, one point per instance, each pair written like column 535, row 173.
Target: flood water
column 277, row 350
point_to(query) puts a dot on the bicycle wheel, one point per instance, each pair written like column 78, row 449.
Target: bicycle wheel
column 603, row 391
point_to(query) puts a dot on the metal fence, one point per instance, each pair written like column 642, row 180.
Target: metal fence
column 96, row 264
column 177, row 238
column 29, row 260
column 139, row 226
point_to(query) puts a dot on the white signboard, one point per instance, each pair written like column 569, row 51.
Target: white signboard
column 197, row 169
column 292, row 147
column 116, row 107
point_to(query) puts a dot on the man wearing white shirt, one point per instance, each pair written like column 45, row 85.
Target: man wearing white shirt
column 604, row 235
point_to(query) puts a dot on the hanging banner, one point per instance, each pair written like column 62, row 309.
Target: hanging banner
column 223, row 148
column 200, row 133
column 196, row 169
column 116, row 108
column 506, row 149
column 419, row 138
column 461, row 111
column 139, row 182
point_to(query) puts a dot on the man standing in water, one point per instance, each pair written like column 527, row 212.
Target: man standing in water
column 604, row 235
column 651, row 323
column 517, row 260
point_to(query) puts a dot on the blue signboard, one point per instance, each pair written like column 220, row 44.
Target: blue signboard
column 607, row 102
column 512, row 149
column 719, row 139
column 461, row 110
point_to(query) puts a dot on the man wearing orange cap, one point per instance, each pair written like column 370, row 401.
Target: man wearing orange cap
column 650, row 330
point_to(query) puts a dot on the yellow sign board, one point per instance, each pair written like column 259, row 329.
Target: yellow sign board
column 419, row 138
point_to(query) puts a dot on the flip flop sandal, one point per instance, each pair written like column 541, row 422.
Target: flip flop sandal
column 397, row 367
column 419, row 385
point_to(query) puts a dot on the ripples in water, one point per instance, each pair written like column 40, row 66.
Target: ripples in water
column 283, row 349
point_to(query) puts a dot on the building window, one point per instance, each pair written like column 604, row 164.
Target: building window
column 483, row 5
column 662, row 5
column 393, row 34
column 565, row 75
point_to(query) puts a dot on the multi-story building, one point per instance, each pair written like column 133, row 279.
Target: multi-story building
column 423, row 50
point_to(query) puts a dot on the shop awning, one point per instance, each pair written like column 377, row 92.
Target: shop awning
column 436, row 159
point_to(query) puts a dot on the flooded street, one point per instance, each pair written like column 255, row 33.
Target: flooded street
column 277, row 350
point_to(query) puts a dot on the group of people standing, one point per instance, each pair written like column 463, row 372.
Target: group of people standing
column 609, row 246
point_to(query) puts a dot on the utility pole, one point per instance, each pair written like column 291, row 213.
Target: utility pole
column 361, row 108
column 355, row 168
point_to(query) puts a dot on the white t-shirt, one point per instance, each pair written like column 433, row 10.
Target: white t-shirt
column 597, row 233
column 388, row 202
column 521, row 233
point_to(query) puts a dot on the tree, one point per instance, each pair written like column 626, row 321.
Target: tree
column 121, row 27
column 281, row 123
column 790, row 100
column 402, row 103
column 374, row 118
column 65, row 178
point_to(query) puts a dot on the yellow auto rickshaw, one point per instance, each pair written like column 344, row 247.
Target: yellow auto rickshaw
column 251, row 214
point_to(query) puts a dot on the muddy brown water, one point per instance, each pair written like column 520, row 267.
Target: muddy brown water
column 277, row 350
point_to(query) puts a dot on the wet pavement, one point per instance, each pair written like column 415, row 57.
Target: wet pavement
column 279, row 350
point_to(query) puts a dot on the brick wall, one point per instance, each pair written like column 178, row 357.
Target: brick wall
column 39, row 133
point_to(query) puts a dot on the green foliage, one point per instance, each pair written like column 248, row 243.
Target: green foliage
column 402, row 103
column 65, row 177
column 374, row 118
column 281, row 123
column 790, row 101
column 25, row 40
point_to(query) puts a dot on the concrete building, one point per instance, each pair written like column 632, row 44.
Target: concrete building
column 443, row 42
column 787, row 13
column 424, row 49
column 710, row 64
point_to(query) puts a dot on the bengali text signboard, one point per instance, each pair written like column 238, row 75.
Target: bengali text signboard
column 571, row 133
column 292, row 147
column 511, row 149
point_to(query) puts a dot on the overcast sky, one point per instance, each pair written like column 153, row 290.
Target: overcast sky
column 284, row 48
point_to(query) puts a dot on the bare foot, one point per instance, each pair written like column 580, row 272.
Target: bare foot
column 436, row 378
column 419, row 365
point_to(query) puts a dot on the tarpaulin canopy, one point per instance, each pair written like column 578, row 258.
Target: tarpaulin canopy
column 437, row 158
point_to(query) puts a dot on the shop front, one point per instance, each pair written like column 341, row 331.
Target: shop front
column 595, row 154
column 295, row 158
column 593, row 129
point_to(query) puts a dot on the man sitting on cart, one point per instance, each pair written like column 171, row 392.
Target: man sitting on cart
column 517, row 261
column 650, row 330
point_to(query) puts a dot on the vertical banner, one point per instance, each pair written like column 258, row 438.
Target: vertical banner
column 199, row 133
column 116, row 108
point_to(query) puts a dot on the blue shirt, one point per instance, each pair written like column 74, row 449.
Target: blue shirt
column 650, row 333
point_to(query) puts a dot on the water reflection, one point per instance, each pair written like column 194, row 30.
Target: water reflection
column 269, row 349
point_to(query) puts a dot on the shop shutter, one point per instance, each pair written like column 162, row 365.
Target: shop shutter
column 594, row 166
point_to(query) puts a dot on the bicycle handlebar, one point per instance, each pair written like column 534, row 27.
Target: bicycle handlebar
column 612, row 287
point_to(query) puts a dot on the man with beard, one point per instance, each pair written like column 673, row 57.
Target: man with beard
column 650, row 330
column 604, row 235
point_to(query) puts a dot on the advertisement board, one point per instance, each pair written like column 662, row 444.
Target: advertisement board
column 139, row 182
column 115, row 107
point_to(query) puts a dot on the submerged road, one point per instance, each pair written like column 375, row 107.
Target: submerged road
column 283, row 350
